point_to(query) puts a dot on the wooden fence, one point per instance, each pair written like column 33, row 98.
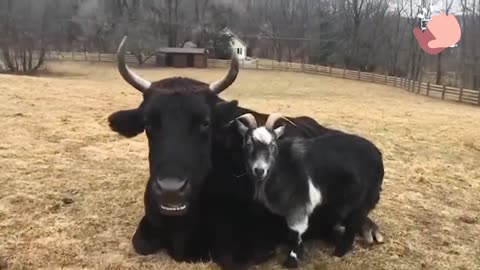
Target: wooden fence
column 432, row 90
column 93, row 57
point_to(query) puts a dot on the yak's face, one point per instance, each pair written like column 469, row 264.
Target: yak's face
column 179, row 128
column 179, row 132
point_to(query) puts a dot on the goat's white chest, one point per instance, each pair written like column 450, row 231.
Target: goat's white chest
column 314, row 196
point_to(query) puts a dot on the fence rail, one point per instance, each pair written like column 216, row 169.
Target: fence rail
column 444, row 92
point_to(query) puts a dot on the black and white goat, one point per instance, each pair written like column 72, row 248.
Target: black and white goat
column 339, row 174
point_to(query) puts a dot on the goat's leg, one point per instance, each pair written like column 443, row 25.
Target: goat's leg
column 298, row 225
column 353, row 224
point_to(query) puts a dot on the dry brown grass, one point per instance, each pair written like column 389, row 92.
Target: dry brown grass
column 71, row 190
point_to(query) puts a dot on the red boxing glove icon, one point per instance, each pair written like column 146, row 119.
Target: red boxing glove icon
column 442, row 32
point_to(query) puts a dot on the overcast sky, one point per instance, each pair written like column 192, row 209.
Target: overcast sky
column 439, row 6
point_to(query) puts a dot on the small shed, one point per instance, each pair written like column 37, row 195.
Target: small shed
column 182, row 57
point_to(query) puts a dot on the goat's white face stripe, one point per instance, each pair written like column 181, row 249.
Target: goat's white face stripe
column 262, row 135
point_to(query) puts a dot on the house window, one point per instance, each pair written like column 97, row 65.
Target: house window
column 239, row 50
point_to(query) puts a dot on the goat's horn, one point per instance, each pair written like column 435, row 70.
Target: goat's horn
column 252, row 122
column 133, row 79
column 273, row 118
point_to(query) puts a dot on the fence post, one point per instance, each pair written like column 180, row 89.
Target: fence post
column 461, row 94
column 373, row 77
column 419, row 87
column 478, row 97
column 73, row 56
column 256, row 64
column 344, row 73
column 86, row 56
column 428, row 89
column 386, row 77
column 359, row 74
column 316, row 68
column 99, row 57
column 330, row 70
column 443, row 91
column 395, row 81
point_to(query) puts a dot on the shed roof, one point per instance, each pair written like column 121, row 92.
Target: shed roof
column 181, row 50
column 226, row 30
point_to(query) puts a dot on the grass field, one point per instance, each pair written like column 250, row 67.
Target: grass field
column 71, row 190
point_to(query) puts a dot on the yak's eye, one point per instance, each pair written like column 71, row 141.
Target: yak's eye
column 148, row 127
column 205, row 125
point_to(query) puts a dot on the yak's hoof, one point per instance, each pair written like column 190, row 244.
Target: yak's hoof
column 142, row 246
column 263, row 255
column 226, row 262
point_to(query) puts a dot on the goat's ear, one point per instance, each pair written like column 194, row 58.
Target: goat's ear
column 241, row 128
column 279, row 131
column 128, row 123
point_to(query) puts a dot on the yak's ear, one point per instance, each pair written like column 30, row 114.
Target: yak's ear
column 224, row 112
column 128, row 123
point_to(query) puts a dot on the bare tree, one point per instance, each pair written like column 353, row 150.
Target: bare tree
column 24, row 40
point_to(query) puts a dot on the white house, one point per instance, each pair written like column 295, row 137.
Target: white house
column 238, row 44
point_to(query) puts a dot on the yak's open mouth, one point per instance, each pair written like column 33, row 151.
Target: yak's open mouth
column 173, row 210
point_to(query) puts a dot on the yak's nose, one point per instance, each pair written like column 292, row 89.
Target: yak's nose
column 172, row 185
column 259, row 172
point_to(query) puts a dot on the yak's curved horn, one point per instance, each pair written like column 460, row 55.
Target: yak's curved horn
column 274, row 117
column 252, row 122
column 220, row 85
column 133, row 79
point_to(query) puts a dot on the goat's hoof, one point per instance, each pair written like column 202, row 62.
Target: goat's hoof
column 378, row 237
column 291, row 263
